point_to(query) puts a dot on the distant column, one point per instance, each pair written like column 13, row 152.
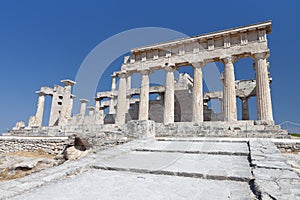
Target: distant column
column 55, row 106
column 128, row 79
column 245, row 108
column 40, row 109
column 229, row 94
column 169, row 96
column 198, row 93
column 122, row 103
column 66, row 110
column 144, row 96
column 91, row 111
column 83, row 106
column 263, row 95
column 112, row 109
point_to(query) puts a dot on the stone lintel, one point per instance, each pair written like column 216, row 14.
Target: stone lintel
column 267, row 25
column 67, row 82
column 84, row 100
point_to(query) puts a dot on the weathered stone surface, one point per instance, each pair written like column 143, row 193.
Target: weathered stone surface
column 126, row 185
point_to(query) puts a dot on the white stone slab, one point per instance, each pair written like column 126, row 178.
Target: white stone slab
column 201, row 147
column 196, row 165
column 98, row 184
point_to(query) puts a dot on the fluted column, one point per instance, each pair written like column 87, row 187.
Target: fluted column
column 198, row 93
column 229, row 94
column 169, row 96
column 144, row 96
column 112, row 109
column 128, row 82
column 40, row 109
column 245, row 109
column 66, row 110
column 263, row 95
column 91, row 111
column 122, row 101
column 83, row 106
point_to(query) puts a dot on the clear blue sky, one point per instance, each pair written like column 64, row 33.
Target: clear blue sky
column 42, row 42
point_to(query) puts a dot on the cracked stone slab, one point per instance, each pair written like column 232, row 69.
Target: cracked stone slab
column 195, row 165
column 209, row 147
column 111, row 185
column 265, row 154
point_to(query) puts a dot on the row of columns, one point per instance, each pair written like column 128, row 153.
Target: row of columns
column 263, row 96
column 66, row 109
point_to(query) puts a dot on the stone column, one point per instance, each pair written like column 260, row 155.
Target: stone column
column 229, row 94
column 55, row 106
column 245, row 108
column 198, row 93
column 169, row 96
column 128, row 89
column 40, row 109
column 97, row 104
column 91, row 111
column 122, row 101
column 112, row 97
column 83, row 106
column 66, row 109
column 263, row 95
column 144, row 96
column 112, row 109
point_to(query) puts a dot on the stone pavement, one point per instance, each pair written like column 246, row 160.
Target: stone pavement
column 167, row 168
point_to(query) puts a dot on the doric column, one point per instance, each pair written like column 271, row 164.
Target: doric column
column 245, row 108
column 112, row 97
column 83, row 106
column 128, row 82
column 55, row 105
column 66, row 110
column 198, row 93
column 144, row 96
column 97, row 104
column 229, row 94
column 40, row 109
column 122, row 102
column 112, row 109
column 169, row 96
column 113, row 82
column 263, row 95
column 91, row 111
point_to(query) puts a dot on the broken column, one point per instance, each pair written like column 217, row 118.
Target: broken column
column 66, row 110
column 245, row 108
column 83, row 106
column 40, row 109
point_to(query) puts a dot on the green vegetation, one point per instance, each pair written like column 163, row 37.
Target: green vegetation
column 295, row 134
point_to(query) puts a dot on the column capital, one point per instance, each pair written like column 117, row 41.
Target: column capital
column 40, row 93
column 261, row 55
column 91, row 108
column 145, row 72
column 84, row 100
column 170, row 68
column 229, row 59
column 68, row 82
column 123, row 74
column 199, row 64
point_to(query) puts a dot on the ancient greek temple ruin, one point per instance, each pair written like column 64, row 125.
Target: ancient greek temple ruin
column 180, row 102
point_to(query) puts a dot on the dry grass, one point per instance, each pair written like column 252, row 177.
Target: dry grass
column 7, row 174
column 32, row 154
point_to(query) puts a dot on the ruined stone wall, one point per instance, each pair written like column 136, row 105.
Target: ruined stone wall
column 51, row 145
column 288, row 147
